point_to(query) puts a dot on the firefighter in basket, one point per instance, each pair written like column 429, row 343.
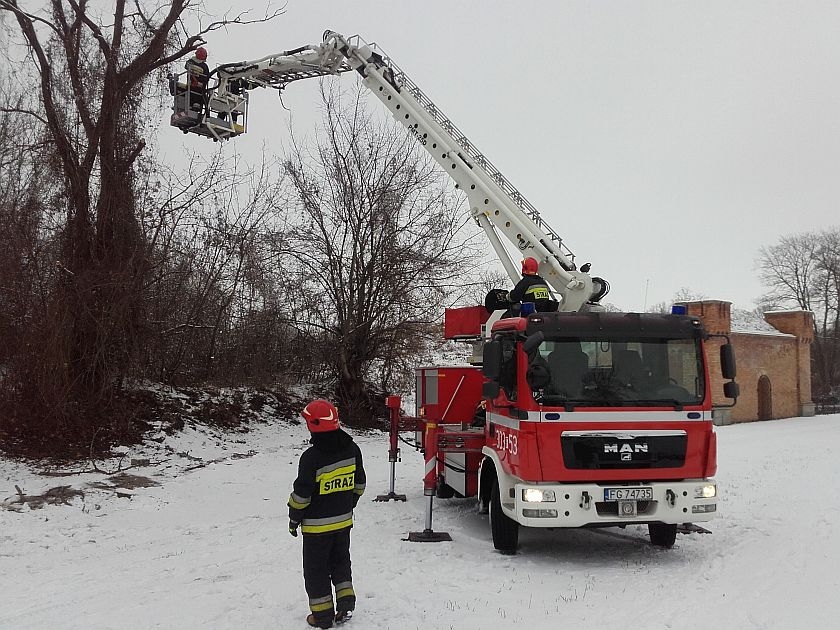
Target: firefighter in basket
column 198, row 75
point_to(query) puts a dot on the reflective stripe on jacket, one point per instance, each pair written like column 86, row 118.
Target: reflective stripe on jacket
column 530, row 289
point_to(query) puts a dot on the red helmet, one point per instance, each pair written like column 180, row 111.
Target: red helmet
column 530, row 266
column 321, row 416
column 201, row 53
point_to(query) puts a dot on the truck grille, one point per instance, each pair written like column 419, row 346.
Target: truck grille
column 599, row 451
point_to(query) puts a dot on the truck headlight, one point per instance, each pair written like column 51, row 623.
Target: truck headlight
column 536, row 495
column 707, row 491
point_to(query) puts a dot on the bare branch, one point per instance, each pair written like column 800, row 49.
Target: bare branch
column 149, row 58
column 15, row 110
column 146, row 22
column 95, row 30
column 193, row 41
column 12, row 6
column 60, row 135
column 241, row 21
column 71, row 41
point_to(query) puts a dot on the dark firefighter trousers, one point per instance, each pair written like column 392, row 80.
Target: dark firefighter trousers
column 326, row 563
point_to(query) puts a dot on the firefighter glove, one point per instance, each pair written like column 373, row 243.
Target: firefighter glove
column 293, row 527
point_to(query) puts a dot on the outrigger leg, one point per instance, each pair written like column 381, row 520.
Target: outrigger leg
column 393, row 404
column 428, row 534
column 429, row 488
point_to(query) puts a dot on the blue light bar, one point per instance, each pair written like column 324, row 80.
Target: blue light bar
column 679, row 309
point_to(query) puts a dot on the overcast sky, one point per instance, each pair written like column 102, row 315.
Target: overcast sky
column 666, row 142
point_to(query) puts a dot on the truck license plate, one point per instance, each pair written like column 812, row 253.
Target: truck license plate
column 625, row 494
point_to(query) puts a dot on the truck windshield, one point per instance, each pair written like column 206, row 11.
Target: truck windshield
column 602, row 372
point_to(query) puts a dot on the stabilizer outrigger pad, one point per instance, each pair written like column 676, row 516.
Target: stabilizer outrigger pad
column 391, row 496
column 427, row 535
column 691, row 528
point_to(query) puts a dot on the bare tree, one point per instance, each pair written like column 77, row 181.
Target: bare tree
column 214, row 274
column 788, row 268
column 379, row 246
column 26, row 193
column 803, row 270
column 92, row 71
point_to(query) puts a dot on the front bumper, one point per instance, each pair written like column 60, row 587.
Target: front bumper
column 579, row 505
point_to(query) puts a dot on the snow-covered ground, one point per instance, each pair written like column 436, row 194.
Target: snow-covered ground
column 208, row 547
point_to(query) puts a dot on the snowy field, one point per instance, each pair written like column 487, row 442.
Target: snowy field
column 208, row 547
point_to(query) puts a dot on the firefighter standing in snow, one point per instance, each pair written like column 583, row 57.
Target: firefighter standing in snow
column 331, row 478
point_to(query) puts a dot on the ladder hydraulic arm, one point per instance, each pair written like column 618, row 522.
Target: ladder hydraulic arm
column 494, row 203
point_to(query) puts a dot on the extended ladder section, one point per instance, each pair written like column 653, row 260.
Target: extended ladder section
column 496, row 205
column 277, row 71
column 478, row 158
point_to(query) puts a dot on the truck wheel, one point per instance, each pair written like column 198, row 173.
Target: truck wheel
column 505, row 530
column 662, row 534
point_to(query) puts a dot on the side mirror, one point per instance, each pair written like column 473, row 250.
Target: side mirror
column 491, row 365
column 727, row 362
column 533, row 342
column 731, row 390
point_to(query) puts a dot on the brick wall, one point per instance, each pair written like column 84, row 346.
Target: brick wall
column 714, row 313
column 774, row 356
column 785, row 359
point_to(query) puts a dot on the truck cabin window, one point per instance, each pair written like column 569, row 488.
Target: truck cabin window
column 627, row 373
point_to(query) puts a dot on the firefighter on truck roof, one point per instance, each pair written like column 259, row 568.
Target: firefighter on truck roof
column 532, row 288
column 331, row 478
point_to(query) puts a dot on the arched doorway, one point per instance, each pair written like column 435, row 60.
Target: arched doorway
column 765, row 398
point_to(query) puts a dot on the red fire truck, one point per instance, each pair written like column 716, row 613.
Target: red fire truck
column 589, row 419
column 571, row 418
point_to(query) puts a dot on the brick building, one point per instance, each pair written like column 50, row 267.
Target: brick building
column 774, row 364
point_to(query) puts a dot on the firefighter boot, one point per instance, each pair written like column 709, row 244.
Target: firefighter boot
column 343, row 616
column 323, row 622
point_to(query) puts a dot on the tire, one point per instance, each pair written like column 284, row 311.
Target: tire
column 662, row 534
column 504, row 529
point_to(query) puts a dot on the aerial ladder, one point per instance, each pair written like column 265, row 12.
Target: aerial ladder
column 495, row 204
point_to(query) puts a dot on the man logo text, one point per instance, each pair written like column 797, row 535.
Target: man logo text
column 626, row 450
